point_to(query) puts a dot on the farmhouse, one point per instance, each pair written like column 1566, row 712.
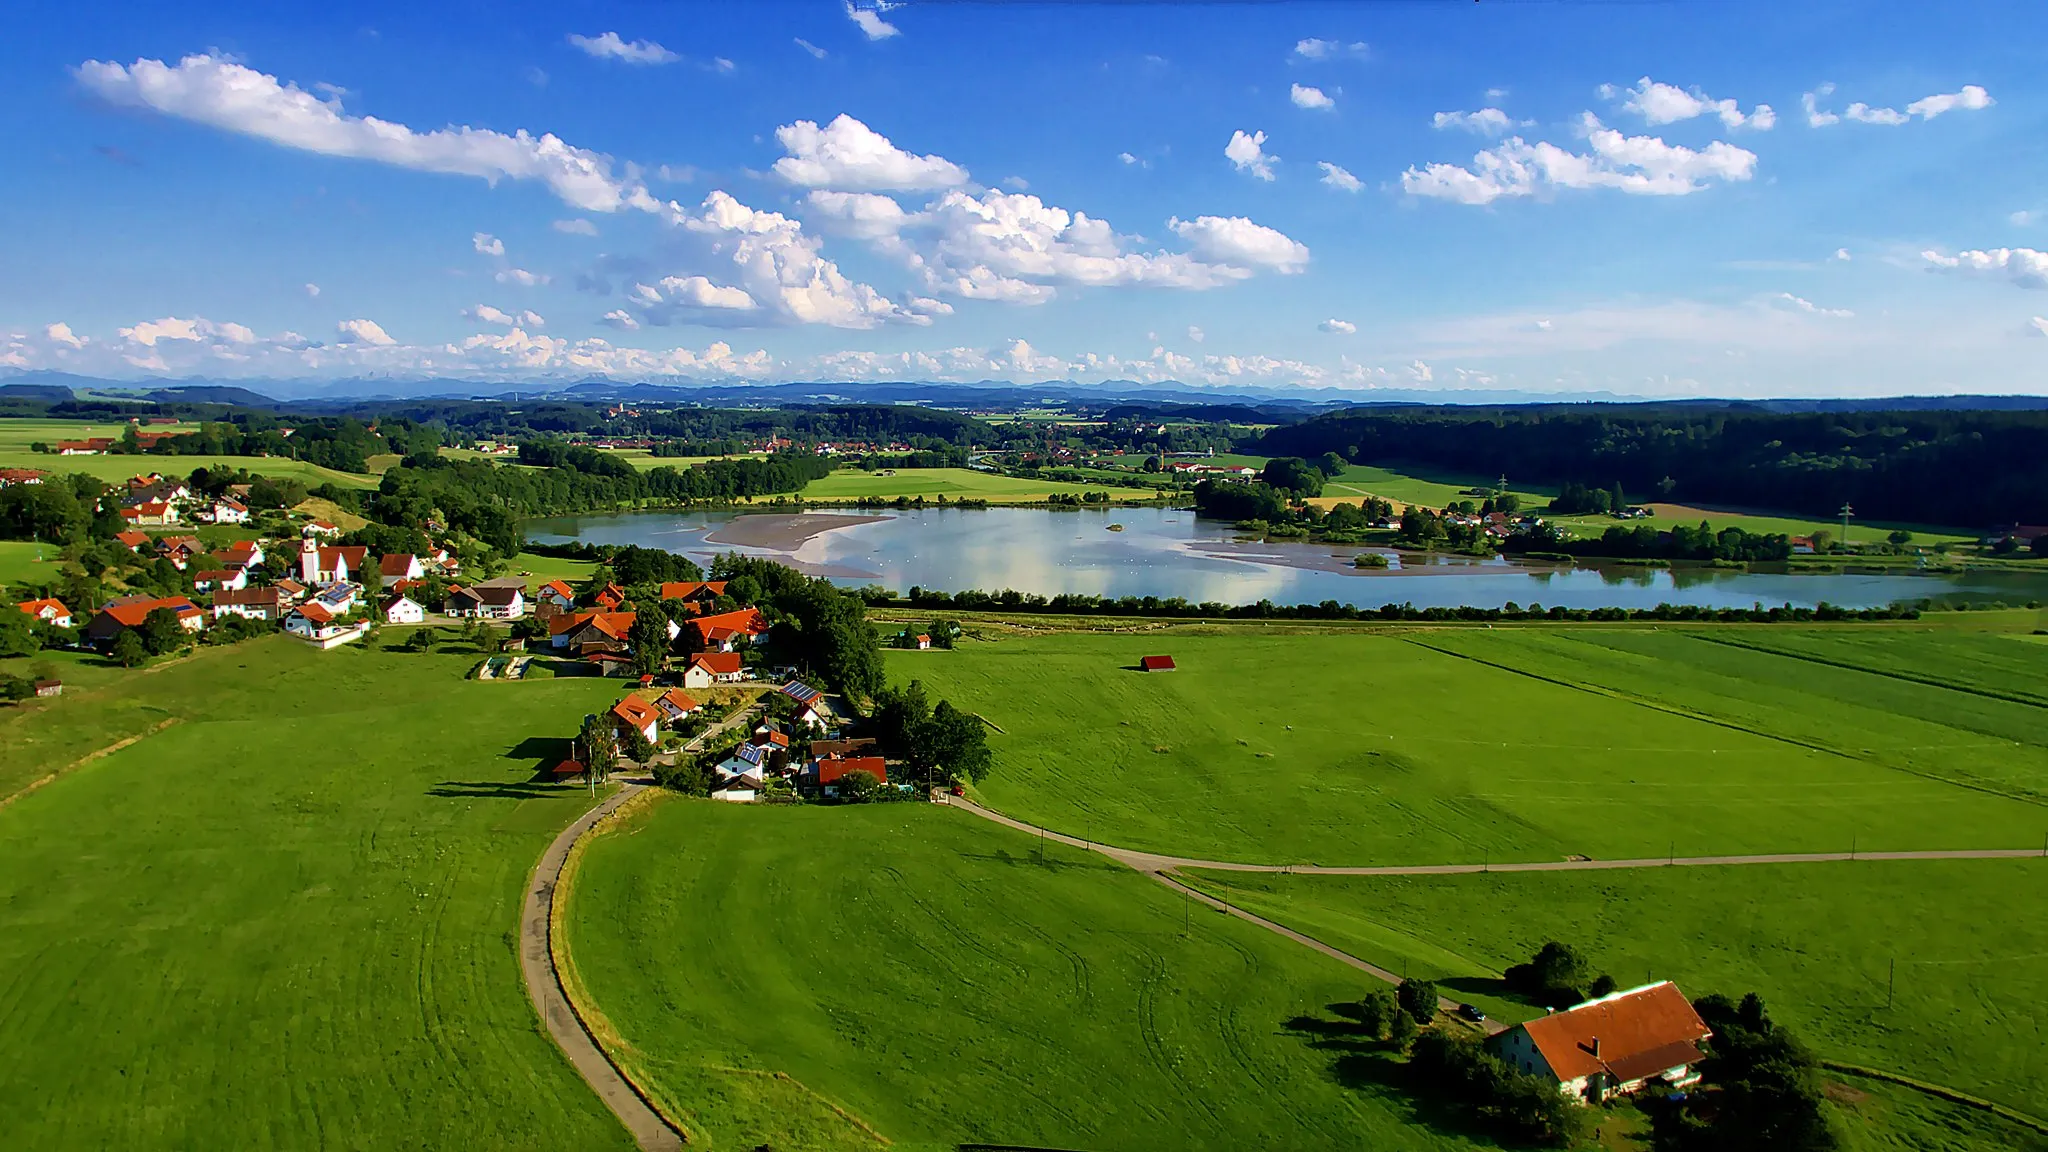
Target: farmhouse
column 395, row 566
column 319, row 528
column 462, row 603
column 693, row 591
column 1156, row 663
column 155, row 513
column 809, row 702
column 226, row 511
column 555, row 597
column 122, row 615
column 12, row 476
column 676, row 704
column 179, row 550
column 49, row 688
column 500, row 602
column 48, row 611
column 402, row 610
column 314, row 623
column 253, row 603
column 708, row 668
column 1610, row 1046
column 243, row 554
column 215, row 579
column 607, row 631
column 633, row 714
column 825, row 773
column 727, row 630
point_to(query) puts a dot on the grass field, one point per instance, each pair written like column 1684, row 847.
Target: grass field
column 28, row 560
column 954, row 483
column 1816, row 941
column 545, row 568
column 919, row 970
column 1669, row 516
column 17, row 435
column 286, row 920
column 1449, row 746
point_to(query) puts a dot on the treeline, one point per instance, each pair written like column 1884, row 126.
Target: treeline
column 342, row 443
column 1085, row 604
column 1945, row 467
column 629, row 564
column 1641, row 541
column 486, row 500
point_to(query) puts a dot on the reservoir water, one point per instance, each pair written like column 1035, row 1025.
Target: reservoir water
column 1167, row 552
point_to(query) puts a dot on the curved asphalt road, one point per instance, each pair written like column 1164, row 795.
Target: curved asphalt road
column 544, row 985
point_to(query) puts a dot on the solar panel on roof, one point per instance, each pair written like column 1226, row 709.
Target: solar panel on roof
column 751, row 753
column 801, row 692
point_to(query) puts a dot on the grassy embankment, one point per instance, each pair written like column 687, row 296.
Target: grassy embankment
column 16, row 436
column 284, row 917
column 1422, row 745
column 818, row 977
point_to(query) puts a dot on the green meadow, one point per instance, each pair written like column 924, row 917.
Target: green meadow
column 16, row 435
column 1936, row 969
column 284, row 916
column 1420, row 746
column 831, row 978
column 953, row 483
column 29, row 561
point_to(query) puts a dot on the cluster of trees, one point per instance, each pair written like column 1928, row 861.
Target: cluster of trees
column 1940, row 466
column 1512, row 1104
column 941, row 744
column 1641, row 541
column 64, row 507
column 818, row 625
column 1576, row 499
column 340, row 442
column 1760, row 1088
column 1557, row 977
column 1085, row 604
column 1076, row 499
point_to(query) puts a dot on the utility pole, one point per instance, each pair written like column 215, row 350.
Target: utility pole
column 1846, row 513
column 1891, row 979
column 1852, row 846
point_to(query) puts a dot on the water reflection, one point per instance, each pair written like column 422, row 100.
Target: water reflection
column 1170, row 553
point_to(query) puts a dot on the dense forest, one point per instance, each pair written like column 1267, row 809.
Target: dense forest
column 1938, row 467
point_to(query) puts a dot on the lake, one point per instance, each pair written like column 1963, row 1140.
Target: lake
column 1168, row 552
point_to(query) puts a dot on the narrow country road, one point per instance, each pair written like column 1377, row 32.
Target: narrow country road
column 544, row 986
column 544, row 983
column 1155, row 862
column 1161, row 868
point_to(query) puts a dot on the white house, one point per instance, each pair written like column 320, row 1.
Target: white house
column 312, row 623
column 396, row 566
column 1611, row 1046
column 226, row 511
column 320, row 528
column 401, row 610
column 54, row 612
column 708, row 668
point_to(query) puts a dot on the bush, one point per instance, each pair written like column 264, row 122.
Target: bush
column 1509, row 1102
column 1418, row 999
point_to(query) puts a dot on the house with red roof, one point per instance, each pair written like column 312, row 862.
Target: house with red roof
column 609, row 597
column 554, row 598
column 251, row 603
column 676, row 704
column 708, row 668
column 319, row 528
column 608, row 630
column 122, row 615
column 395, row 566
column 317, row 624
column 633, row 714
column 727, row 630
column 1610, row 1046
column 13, row 476
column 323, row 564
column 155, row 513
column 402, row 609
column 215, row 579
column 825, row 772
column 243, row 554
column 1155, row 663
column 133, row 538
column 49, row 611
column 226, row 511
column 693, row 591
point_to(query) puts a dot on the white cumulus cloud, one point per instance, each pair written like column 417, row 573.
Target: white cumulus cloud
column 1970, row 98
column 1317, row 49
column 847, row 154
column 1247, row 152
column 869, row 19
column 487, row 244
column 1340, row 327
column 1306, row 97
column 1337, row 177
column 1659, row 103
column 813, row 49
column 2023, row 266
column 218, row 92
column 2038, row 326
column 522, row 277
column 60, row 333
column 1639, row 165
column 1196, row 334
column 1236, row 241
column 312, row 290
column 609, row 46
column 577, row 227
column 363, row 332
column 489, row 315
column 1486, row 121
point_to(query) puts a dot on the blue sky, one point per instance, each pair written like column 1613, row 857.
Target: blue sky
column 1655, row 199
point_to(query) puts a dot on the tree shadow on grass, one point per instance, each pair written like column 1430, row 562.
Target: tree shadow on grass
column 1363, row 1063
column 496, row 789
column 1049, row 863
column 547, row 751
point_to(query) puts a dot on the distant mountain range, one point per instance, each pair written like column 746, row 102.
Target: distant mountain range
column 1137, row 397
